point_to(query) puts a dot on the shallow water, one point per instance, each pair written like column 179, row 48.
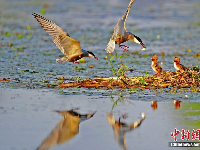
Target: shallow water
column 27, row 54
column 28, row 118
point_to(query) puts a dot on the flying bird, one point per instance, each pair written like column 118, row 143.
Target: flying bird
column 69, row 47
column 121, row 34
column 155, row 66
column 178, row 65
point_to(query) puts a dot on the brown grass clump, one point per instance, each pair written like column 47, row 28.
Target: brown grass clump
column 176, row 79
column 165, row 79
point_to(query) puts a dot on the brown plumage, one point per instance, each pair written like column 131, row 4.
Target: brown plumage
column 178, row 65
column 177, row 104
column 121, row 34
column 69, row 47
column 154, row 105
column 155, row 66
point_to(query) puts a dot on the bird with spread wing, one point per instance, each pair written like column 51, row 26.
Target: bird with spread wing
column 69, row 47
column 121, row 34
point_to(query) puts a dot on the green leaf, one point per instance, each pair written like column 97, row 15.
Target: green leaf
column 42, row 11
column 7, row 34
column 20, row 36
column 124, row 65
column 112, row 57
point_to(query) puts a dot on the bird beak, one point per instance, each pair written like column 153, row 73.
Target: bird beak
column 96, row 58
column 144, row 47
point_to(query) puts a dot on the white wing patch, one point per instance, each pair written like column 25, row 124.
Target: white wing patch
column 111, row 46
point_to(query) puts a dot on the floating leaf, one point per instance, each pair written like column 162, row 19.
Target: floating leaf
column 7, row 34
column 20, row 36
column 145, row 55
column 10, row 44
column 25, row 70
column 45, row 81
column 189, row 50
column 28, row 27
column 42, row 11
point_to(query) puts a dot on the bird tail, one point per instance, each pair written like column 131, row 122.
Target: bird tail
column 111, row 46
column 62, row 60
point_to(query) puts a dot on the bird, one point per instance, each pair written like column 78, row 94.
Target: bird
column 66, row 129
column 120, row 128
column 69, row 46
column 121, row 34
column 155, row 66
column 178, row 65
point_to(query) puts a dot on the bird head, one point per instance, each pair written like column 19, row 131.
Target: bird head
column 91, row 55
column 154, row 58
column 137, row 40
column 177, row 59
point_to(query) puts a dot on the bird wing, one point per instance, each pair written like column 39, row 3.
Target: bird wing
column 118, row 31
column 52, row 29
column 120, row 28
column 158, row 68
column 69, row 45
column 124, row 17
column 182, row 67
column 111, row 46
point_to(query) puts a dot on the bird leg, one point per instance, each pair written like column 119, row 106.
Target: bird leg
column 75, row 108
column 122, row 46
column 124, row 116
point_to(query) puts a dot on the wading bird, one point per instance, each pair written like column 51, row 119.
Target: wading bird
column 178, row 65
column 154, row 65
column 69, row 47
column 121, row 34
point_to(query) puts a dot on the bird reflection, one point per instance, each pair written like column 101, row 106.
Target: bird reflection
column 154, row 105
column 66, row 129
column 120, row 128
column 177, row 104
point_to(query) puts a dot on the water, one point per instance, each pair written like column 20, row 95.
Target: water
column 27, row 111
